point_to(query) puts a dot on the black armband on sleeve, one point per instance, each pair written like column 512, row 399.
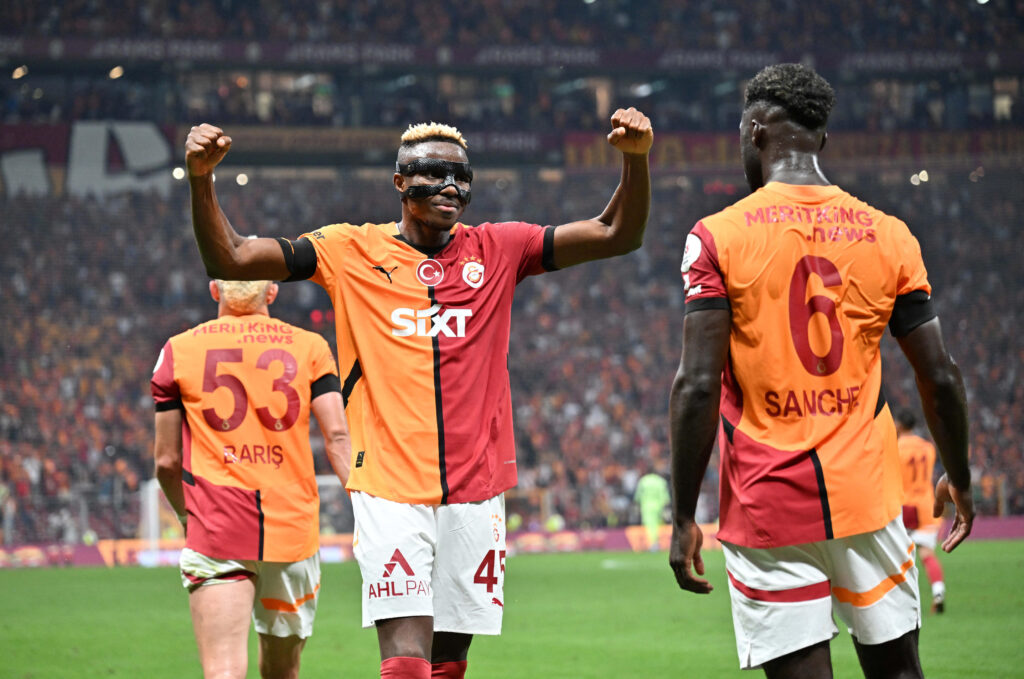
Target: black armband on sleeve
column 326, row 384
column 707, row 303
column 299, row 257
column 163, row 406
column 547, row 259
column 910, row 311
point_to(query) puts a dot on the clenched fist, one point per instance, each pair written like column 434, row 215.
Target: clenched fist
column 205, row 147
column 631, row 131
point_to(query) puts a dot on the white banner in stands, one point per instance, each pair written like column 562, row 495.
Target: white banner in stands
column 24, row 173
column 145, row 150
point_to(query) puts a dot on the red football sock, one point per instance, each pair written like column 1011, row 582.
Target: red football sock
column 934, row 569
column 401, row 667
column 455, row 669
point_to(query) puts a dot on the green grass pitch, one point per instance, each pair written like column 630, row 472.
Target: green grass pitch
column 567, row 615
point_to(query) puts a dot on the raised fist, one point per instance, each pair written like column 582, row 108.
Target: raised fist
column 631, row 131
column 205, row 147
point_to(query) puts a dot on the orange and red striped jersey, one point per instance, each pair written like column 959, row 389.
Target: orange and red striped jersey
column 245, row 384
column 811, row 276
column 917, row 459
column 423, row 349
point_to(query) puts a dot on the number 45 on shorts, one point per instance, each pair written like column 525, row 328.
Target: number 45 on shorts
column 487, row 571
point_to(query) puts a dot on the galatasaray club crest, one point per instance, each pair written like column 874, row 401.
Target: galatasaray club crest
column 430, row 272
column 472, row 271
column 691, row 253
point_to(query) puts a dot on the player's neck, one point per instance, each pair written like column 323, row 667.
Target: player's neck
column 421, row 235
column 800, row 169
column 230, row 312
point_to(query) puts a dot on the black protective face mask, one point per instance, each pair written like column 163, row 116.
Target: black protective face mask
column 444, row 170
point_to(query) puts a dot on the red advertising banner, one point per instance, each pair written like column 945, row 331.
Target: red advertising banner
column 50, row 555
column 333, row 548
column 338, row 548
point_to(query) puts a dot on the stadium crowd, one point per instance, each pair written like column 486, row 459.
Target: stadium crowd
column 86, row 308
column 520, row 98
column 871, row 25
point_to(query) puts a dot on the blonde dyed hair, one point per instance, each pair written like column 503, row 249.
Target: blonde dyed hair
column 243, row 296
column 422, row 132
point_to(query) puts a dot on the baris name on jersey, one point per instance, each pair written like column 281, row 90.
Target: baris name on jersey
column 255, row 454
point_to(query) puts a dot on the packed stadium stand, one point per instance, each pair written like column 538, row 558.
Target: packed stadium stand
column 96, row 276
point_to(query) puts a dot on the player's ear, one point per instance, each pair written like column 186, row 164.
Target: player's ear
column 399, row 183
column 215, row 292
column 272, row 291
column 757, row 133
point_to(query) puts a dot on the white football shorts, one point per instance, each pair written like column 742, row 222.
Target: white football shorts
column 783, row 598
column 926, row 537
column 286, row 592
column 444, row 561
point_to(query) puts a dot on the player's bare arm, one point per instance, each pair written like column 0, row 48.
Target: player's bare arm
column 330, row 414
column 226, row 254
column 620, row 228
column 693, row 423
column 944, row 402
column 167, row 453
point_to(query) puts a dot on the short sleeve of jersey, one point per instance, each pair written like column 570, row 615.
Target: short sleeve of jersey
column 702, row 275
column 329, row 243
column 322, row 359
column 165, row 391
column 912, row 273
column 530, row 247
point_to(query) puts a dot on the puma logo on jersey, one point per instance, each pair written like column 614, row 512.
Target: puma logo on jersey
column 429, row 322
column 386, row 272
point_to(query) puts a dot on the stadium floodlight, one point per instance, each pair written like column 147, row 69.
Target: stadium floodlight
column 178, row 173
column 20, row 72
column 646, row 89
column 242, row 179
column 915, row 179
column 116, row 72
column 923, row 174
